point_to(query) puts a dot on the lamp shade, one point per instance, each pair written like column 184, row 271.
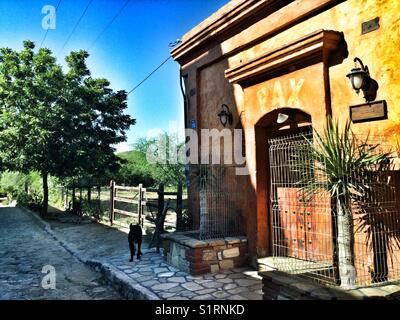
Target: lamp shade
column 225, row 115
column 282, row 118
column 358, row 78
column 357, row 81
column 223, row 118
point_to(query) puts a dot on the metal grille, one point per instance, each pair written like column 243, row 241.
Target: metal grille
column 305, row 226
column 376, row 216
column 219, row 216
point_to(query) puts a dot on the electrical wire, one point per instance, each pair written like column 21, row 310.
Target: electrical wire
column 149, row 75
column 76, row 25
column 110, row 23
column 101, row 34
column 47, row 30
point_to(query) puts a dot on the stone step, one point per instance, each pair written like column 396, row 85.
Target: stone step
column 292, row 265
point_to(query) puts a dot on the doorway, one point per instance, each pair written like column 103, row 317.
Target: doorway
column 300, row 224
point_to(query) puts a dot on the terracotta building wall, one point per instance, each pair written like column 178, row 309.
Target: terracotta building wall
column 204, row 67
column 378, row 49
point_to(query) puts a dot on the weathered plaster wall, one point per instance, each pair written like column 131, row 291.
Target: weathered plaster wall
column 378, row 49
column 300, row 89
column 214, row 90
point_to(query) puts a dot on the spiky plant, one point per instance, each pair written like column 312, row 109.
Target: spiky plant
column 338, row 162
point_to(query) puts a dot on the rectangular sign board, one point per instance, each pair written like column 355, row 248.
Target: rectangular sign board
column 370, row 111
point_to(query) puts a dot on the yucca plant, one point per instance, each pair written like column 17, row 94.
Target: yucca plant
column 337, row 162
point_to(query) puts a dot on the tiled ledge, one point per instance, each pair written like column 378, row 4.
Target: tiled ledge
column 188, row 239
column 278, row 285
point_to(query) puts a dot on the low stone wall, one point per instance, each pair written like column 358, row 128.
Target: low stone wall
column 204, row 256
column 282, row 286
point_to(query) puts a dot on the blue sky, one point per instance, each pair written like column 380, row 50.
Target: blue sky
column 133, row 46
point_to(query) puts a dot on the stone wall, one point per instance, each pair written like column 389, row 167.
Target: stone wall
column 204, row 256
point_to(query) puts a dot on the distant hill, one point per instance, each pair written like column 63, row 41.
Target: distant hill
column 130, row 155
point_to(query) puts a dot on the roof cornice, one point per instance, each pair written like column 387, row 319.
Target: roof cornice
column 312, row 48
column 229, row 16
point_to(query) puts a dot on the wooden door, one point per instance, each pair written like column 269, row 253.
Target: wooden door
column 301, row 228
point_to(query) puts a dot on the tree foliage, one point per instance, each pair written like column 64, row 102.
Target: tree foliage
column 58, row 123
column 140, row 169
column 135, row 170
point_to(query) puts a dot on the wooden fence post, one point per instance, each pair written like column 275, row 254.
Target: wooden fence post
column 112, row 195
column 140, row 222
column 99, row 194
column 62, row 193
column 73, row 198
column 66, row 198
column 179, row 226
column 89, row 194
column 160, row 193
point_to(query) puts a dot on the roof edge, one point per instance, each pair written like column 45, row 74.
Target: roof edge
column 226, row 17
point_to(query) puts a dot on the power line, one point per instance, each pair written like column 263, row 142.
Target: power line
column 47, row 30
column 76, row 25
column 149, row 75
column 110, row 23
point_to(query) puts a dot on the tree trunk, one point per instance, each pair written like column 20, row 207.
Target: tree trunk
column 179, row 222
column 159, row 222
column 345, row 239
column 73, row 199
column 45, row 194
column 99, row 196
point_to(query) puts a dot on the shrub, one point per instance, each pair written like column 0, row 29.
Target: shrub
column 33, row 201
column 92, row 209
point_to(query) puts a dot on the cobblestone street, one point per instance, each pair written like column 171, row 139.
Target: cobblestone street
column 151, row 274
column 27, row 244
column 25, row 248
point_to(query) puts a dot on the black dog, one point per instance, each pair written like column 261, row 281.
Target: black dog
column 135, row 235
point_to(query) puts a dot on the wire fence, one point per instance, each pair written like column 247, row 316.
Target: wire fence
column 219, row 216
column 349, row 240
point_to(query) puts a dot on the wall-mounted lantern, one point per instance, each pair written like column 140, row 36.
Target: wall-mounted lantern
column 225, row 116
column 361, row 80
column 282, row 118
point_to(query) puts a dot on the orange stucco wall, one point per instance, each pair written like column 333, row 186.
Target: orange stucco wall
column 378, row 49
column 205, row 73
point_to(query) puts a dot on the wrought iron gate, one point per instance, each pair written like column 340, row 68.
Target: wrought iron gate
column 304, row 226
column 301, row 227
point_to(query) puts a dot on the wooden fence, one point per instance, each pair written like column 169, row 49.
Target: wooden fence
column 125, row 203
column 138, row 197
column 74, row 203
column 131, row 195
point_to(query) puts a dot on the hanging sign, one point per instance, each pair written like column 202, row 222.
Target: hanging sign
column 370, row 111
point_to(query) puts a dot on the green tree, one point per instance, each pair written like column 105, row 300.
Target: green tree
column 55, row 122
column 164, row 153
column 135, row 170
column 338, row 162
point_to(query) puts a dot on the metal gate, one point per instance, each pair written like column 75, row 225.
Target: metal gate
column 304, row 226
column 301, row 225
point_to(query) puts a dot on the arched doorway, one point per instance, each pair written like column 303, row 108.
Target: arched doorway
column 279, row 123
